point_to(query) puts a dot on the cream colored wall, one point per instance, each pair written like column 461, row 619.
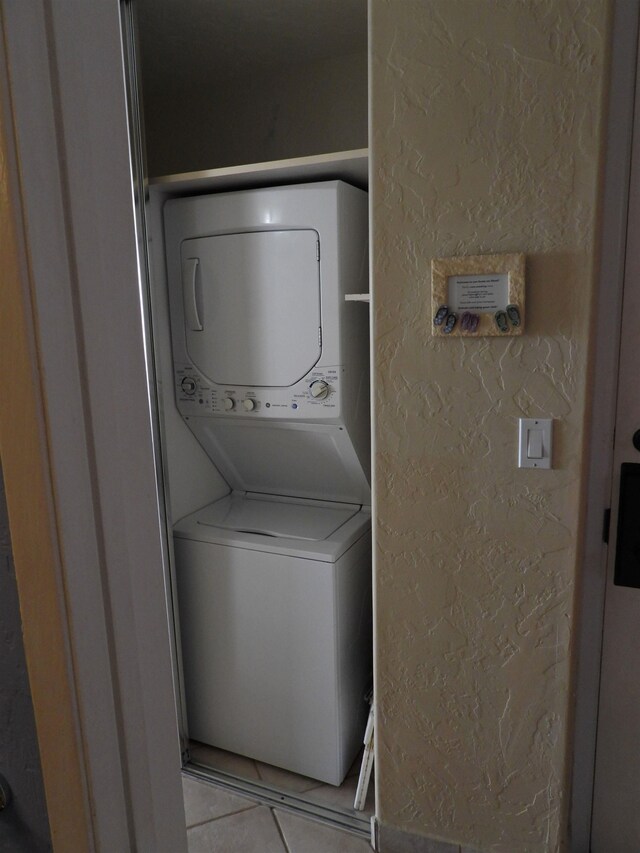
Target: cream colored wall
column 294, row 111
column 486, row 121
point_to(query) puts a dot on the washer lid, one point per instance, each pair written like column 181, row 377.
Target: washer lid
column 268, row 516
column 252, row 306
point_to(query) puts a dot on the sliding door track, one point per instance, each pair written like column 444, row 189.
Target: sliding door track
column 274, row 797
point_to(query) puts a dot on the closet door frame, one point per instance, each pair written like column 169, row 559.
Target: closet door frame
column 77, row 439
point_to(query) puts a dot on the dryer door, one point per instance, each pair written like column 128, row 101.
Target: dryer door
column 252, row 306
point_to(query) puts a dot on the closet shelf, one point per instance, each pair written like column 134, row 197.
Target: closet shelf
column 349, row 166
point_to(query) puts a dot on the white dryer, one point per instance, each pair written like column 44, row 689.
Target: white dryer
column 271, row 376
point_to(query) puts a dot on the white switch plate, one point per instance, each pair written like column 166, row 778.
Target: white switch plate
column 525, row 427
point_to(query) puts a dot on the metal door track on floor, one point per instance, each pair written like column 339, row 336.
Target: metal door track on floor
column 275, row 797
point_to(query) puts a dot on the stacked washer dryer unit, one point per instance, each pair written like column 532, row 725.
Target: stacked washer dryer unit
column 271, row 376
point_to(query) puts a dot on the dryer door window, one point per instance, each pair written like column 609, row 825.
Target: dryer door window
column 252, row 306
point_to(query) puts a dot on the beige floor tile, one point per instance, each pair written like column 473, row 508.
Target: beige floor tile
column 284, row 779
column 204, row 802
column 254, row 831
column 343, row 796
column 219, row 759
column 306, row 836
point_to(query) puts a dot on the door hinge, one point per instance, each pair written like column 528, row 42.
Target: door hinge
column 606, row 523
column 317, row 250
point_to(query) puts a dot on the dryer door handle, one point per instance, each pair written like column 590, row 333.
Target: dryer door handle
column 190, row 285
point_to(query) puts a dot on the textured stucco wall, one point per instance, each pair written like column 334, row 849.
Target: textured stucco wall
column 486, row 119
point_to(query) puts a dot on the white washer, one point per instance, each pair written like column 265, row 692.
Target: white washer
column 271, row 376
column 276, row 629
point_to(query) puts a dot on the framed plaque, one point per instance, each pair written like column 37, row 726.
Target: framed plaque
column 478, row 295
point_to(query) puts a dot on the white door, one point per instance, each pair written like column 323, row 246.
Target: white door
column 64, row 101
column 616, row 806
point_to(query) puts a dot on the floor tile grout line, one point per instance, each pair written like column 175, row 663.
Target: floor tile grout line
column 222, row 816
column 313, row 788
column 280, row 830
column 284, row 787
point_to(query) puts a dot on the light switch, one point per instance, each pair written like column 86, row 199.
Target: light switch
column 535, row 442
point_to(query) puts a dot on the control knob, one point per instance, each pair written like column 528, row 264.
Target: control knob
column 189, row 385
column 229, row 403
column 249, row 404
column 319, row 389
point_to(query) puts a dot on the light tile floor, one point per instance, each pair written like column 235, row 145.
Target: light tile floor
column 314, row 791
column 221, row 822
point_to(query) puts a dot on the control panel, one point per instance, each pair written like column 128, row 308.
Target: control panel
column 316, row 396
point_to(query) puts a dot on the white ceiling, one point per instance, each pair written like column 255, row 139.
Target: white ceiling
column 202, row 40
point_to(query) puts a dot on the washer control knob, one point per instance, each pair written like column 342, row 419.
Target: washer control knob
column 229, row 404
column 249, row 404
column 189, row 385
column 319, row 389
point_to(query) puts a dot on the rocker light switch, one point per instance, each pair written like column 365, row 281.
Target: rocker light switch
column 534, row 445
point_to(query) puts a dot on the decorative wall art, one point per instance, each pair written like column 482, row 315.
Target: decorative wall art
column 478, row 295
